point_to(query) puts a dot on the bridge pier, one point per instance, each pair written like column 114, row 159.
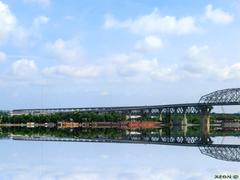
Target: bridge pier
column 169, row 120
column 160, row 132
column 184, row 129
column 184, row 121
column 128, row 115
column 160, row 117
column 205, row 123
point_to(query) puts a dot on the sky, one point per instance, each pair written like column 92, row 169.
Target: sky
column 113, row 53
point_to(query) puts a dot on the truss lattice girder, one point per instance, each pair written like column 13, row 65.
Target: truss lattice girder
column 222, row 97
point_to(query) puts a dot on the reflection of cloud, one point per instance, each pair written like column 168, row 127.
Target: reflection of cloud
column 104, row 156
column 3, row 57
column 108, row 173
column 78, row 176
column 104, row 93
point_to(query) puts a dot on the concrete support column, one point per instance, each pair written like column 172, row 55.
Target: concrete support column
column 184, row 129
column 169, row 119
column 184, row 121
column 160, row 132
column 128, row 115
column 205, row 123
column 160, row 116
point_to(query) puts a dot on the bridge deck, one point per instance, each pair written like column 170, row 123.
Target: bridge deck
column 171, row 107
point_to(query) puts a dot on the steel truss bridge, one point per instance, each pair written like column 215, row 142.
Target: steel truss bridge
column 217, row 98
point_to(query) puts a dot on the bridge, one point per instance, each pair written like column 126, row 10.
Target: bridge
column 218, row 98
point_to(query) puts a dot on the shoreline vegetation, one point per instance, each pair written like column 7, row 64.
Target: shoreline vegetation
column 86, row 117
column 92, row 116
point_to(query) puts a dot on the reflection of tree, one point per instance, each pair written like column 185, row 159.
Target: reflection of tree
column 2, row 134
column 145, row 135
column 74, row 133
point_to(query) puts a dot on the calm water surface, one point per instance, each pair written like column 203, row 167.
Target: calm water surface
column 35, row 159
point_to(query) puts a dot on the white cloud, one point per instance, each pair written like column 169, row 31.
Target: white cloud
column 136, row 67
column 72, row 71
column 116, row 67
column 196, row 51
column 111, row 22
column 7, row 21
column 231, row 72
column 40, row 20
column 3, row 57
column 3, row 83
column 66, row 51
column 200, row 64
column 149, row 43
column 44, row 3
column 154, row 23
column 131, row 67
column 218, row 15
column 20, row 37
column 10, row 29
column 24, row 68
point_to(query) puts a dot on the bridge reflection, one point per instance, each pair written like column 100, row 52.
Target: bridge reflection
column 203, row 141
column 226, row 152
column 177, row 141
column 222, row 152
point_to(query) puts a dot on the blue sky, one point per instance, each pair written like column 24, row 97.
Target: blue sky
column 109, row 53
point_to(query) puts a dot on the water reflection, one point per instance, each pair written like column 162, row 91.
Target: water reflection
column 134, row 132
